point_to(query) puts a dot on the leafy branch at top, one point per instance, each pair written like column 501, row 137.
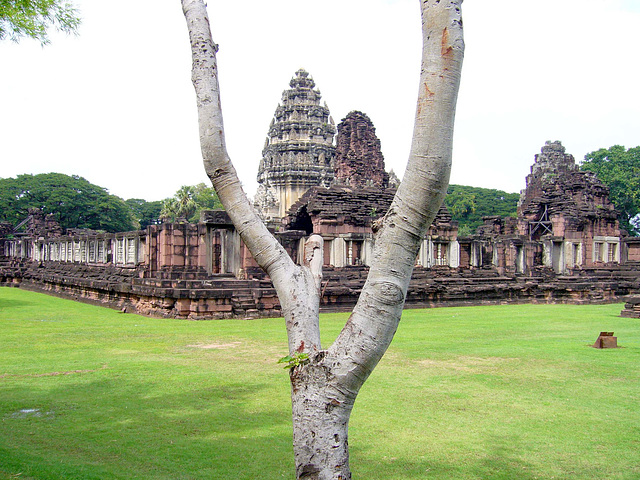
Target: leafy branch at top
column 33, row 19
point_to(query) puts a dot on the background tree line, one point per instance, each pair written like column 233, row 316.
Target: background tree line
column 467, row 205
column 619, row 169
column 77, row 203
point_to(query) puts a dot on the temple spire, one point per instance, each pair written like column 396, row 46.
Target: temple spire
column 299, row 149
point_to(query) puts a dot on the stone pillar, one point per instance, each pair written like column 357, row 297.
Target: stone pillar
column 476, row 254
column 454, row 254
column 367, row 251
column 300, row 255
column 84, row 251
column 430, row 259
column 546, row 254
column 338, row 255
column 230, row 261
column 423, row 254
column 520, row 256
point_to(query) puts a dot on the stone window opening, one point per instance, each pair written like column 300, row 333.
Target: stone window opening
column 92, row 251
column 440, row 254
column 101, row 252
column 76, row 252
column 557, row 256
column 354, row 252
column 574, row 255
column 597, row 251
column 119, row 251
column 83, row 251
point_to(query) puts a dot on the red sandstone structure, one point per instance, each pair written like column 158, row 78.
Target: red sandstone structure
column 359, row 162
column 565, row 244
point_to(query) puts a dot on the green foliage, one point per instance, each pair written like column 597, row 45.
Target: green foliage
column 468, row 205
column 188, row 202
column 181, row 206
column 74, row 202
column 461, row 203
column 295, row 360
column 206, row 198
column 513, row 392
column 464, row 231
column 619, row 169
column 145, row 213
column 33, row 18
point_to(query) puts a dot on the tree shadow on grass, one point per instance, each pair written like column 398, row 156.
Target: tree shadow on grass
column 13, row 303
column 107, row 429
column 499, row 461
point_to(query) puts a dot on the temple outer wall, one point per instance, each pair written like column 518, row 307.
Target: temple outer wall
column 204, row 271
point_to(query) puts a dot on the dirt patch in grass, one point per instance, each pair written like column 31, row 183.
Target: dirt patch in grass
column 50, row 374
column 218, row 346
column 468, row 364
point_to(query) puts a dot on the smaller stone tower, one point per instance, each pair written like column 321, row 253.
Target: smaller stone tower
column 569, row 199
column 568, row 211
column 299, row 150
column 359, row 162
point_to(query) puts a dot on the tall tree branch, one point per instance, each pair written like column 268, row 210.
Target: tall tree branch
column 295, row 284
column 375, row 318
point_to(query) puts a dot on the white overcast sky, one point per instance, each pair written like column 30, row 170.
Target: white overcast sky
column 115, row 104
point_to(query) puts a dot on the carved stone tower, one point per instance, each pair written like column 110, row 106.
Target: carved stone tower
column 299, row 150
column 359, row 162
column 563, row 202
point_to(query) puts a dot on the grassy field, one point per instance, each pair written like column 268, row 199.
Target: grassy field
column 504, row 392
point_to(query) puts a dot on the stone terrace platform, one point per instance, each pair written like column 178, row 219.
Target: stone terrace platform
column 193, row 294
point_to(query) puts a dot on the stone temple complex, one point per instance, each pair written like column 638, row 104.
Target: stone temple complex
column 564, row 245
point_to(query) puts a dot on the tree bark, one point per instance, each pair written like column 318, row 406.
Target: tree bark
column 324, row 386
column 320, row 413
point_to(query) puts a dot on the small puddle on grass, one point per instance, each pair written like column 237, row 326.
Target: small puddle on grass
column 30, row 413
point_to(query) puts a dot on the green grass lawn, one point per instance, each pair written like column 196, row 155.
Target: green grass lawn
column 499, row 392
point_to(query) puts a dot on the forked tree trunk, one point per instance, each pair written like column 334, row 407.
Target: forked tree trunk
column 320, row 412
column 324, row 386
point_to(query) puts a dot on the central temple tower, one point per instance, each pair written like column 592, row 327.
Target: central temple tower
column 299, row 150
